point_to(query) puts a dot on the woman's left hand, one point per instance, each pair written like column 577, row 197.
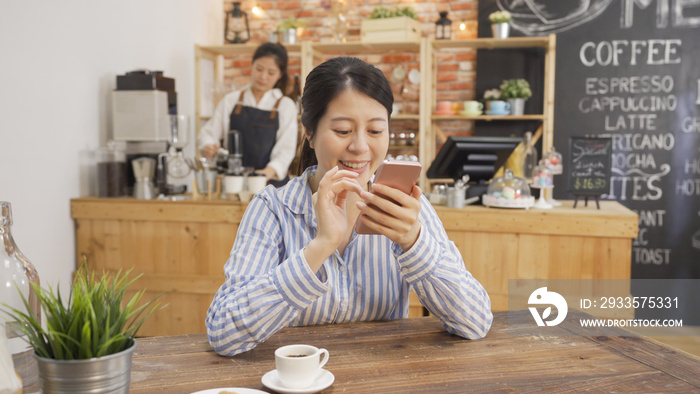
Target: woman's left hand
column 398, row 221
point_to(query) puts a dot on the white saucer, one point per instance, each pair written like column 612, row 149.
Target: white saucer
column 238, row 390
column 272, row 381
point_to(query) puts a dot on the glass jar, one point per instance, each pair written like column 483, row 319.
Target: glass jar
column 553, row 160
column 111, row 171
column 508, row 191
column 16, row 273
column 543, row 176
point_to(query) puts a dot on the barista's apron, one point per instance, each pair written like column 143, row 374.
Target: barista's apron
column 258, row 133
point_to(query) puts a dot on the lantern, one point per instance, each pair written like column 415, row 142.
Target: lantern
column 237, row 29
column 443, row 27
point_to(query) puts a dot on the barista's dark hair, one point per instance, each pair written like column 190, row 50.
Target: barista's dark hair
column 327, row 81
column 279, row 53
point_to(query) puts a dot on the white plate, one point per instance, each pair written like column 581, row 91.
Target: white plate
column 271, row 380
column 237, row 390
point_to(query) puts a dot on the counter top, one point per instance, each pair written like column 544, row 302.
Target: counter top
column 611, row 220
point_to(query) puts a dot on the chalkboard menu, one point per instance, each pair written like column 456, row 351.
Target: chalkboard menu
column 589, row 166
column 628, row 70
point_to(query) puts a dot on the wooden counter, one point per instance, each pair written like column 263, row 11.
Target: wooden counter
column 559, row 243
column 181, row 246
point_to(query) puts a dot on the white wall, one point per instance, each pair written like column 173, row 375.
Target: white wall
column 58, row 62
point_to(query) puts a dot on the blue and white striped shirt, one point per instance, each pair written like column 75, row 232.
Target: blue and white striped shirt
column 270, row 286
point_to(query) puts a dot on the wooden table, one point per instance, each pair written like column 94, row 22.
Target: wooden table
column 418, row 355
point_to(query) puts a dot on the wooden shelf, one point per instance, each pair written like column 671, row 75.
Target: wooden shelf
column 313, row 53
column 366, row 47
column 237, row 49
column 405, row 116
column 487, row 117
column 492, row 43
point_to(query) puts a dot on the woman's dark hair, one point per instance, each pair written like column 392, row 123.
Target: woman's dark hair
column 279, row 53
column 327, row 81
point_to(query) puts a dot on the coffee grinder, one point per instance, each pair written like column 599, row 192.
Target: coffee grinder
column 144, row 115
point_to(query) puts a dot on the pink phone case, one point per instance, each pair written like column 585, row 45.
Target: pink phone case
column 398, row 174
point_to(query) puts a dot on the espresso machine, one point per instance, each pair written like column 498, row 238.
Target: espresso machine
column 144, row 116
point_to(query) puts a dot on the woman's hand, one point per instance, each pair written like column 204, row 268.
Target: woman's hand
column 331, row 216
column 208, row 151
column 269, row 172
column 396, row 220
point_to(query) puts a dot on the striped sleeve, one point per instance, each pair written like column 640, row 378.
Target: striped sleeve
column 263, row 291
column 435, row 269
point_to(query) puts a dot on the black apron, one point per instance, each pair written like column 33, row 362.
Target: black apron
column 258, row 134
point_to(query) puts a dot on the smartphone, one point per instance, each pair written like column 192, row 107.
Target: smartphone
column 399, row 174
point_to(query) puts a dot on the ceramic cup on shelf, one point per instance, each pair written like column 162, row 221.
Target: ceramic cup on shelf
column 299, row 365
column 472, row 107
column 499, row 107
column 444, row 107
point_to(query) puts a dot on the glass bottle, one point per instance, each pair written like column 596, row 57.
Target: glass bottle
column 17, row 272
column 340, row 22
column 529, row 158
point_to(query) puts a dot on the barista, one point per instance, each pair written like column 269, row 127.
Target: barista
column 265, row 118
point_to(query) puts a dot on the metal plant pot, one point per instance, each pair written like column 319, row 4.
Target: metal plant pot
column 517, row 106
column 108, row 374
column 500, row 30
column 289, row 36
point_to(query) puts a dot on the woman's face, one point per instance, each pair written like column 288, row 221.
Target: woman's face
column 265, row 74
column 353, row 134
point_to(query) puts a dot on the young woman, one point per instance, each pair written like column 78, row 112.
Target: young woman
column 264, row 117
column 296, row 259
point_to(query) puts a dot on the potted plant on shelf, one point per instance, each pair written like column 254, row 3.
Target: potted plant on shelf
column 516, row 91
column 385, row 25
column 89, row 340
column 288, row 29
column 500, row 24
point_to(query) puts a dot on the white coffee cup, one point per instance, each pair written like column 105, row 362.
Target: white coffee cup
column 256, row 182
column 298, row 366
column 233, row 184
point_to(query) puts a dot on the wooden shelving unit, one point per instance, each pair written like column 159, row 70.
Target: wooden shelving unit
column 312, row 54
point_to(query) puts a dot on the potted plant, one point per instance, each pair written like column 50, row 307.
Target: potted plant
column 385, row 25
column 516, row 91
column 88, row 341
column 288, row 29
column 500, row 23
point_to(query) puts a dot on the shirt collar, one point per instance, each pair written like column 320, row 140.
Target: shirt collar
column 274, row 92
column 296, row 195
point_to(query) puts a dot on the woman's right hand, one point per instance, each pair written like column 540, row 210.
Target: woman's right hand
column 329, row 203
column 208, row 151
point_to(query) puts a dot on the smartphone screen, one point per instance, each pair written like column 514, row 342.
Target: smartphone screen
column 399, row 174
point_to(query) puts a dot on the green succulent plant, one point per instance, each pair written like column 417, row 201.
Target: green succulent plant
column 515, row 88
column 95, row 322
column 383, row 12
column 290, row 23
